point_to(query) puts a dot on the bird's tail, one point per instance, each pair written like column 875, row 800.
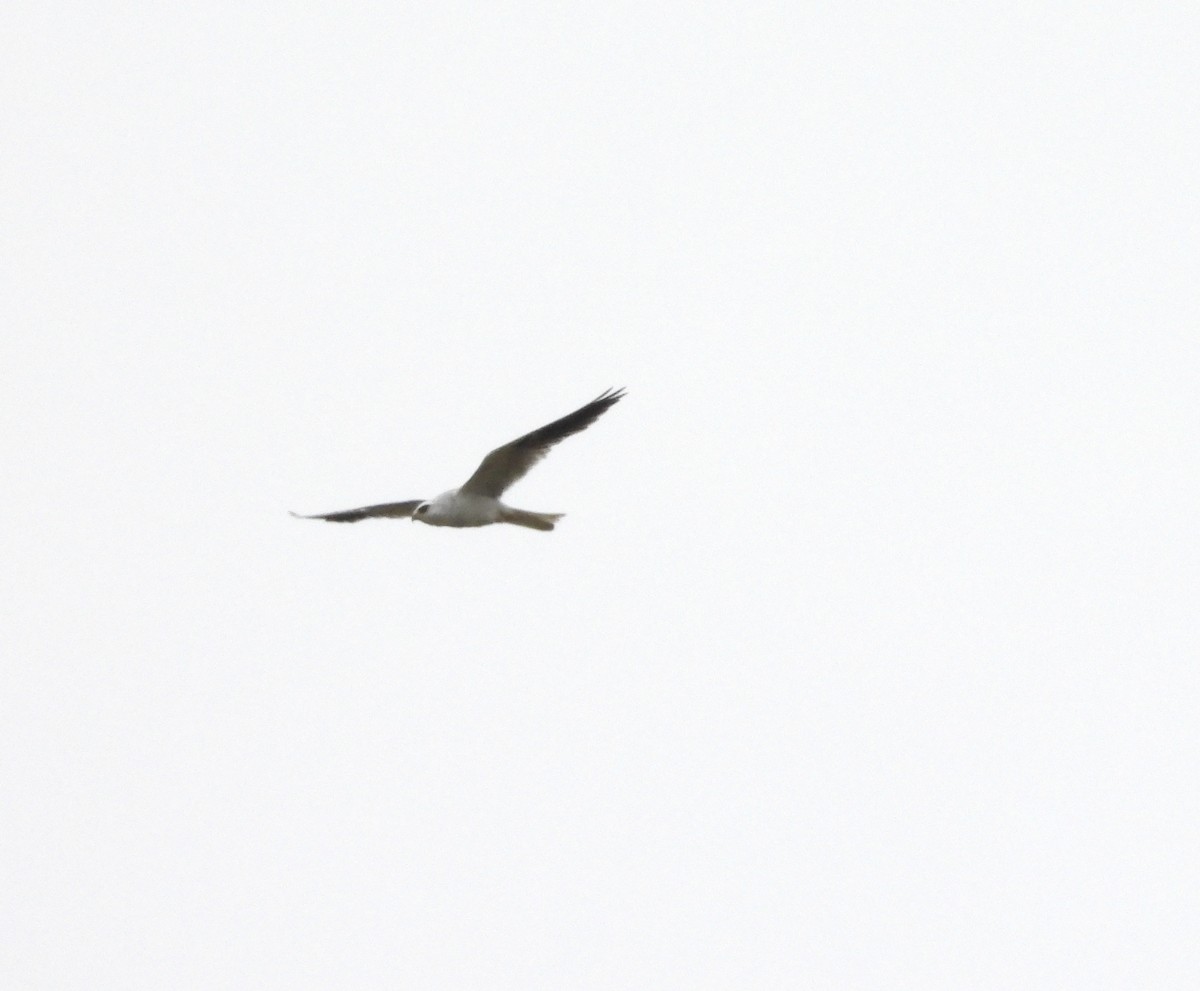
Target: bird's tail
column 535, row 521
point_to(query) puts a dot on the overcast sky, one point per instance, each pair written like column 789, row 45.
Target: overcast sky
column 865, row 656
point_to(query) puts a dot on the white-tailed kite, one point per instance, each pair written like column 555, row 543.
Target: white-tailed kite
column 477, row 502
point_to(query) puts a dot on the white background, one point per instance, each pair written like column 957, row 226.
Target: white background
column 866, row 654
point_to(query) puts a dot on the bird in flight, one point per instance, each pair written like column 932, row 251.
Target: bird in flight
column 477, row 501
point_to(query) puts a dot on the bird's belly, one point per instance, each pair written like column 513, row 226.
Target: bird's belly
column 469, row 510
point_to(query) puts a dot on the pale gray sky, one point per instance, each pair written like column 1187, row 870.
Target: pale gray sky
column 865, row 657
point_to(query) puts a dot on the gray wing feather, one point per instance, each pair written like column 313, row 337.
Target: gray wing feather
column 508, row 463
column 396, row 509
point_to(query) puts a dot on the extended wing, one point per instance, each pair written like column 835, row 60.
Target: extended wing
column 508, row 463
column 398, row 509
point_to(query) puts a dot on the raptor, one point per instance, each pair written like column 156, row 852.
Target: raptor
column 477, row 501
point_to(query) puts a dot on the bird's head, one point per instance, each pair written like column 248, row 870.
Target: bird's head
column 436, row 511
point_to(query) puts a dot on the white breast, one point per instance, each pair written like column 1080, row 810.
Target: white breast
column 455, row 509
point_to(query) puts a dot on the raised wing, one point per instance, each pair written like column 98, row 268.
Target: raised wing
column 397, row 509
column 508, row 463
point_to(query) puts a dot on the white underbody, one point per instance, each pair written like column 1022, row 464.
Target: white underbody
column 455, row 509
column 466, row 509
